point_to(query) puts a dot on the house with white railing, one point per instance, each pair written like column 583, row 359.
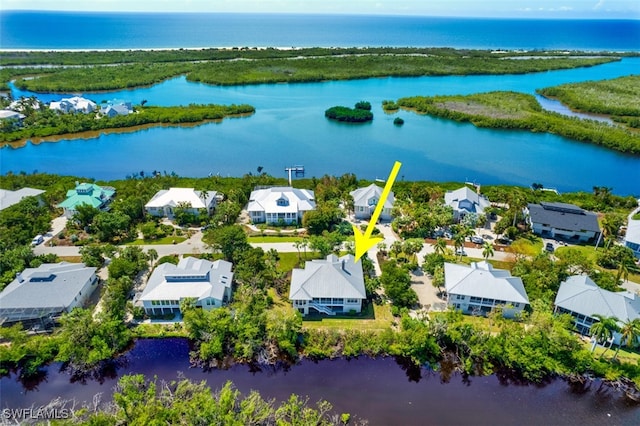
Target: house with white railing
column 479, row 288
column 366, row 199
column 280, row 204
column 328, row 286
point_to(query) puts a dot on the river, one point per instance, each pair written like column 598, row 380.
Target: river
column 289, row 128
column 381, row 390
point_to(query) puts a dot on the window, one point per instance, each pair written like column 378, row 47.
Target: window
column 352, row 301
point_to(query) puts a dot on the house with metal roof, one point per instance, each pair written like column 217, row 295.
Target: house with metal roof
column 209, row 283
column 366, row 199
column 632, row 236
column 165, row 201
column 328, row 286
column 87, row 193
column 116, row 107
column 280, row 204
column 9, row 198
column 581, row 298
column 478, row 288
column 47, row 291
column 562, row 220
column 464, row 201
column 73, row 104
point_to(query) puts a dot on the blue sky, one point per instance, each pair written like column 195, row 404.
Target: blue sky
column 605, row 9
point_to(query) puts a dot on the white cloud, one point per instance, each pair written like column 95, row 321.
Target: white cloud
column 598, row 5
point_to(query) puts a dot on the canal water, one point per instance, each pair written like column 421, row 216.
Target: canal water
column 383, row 391
column 289, row 128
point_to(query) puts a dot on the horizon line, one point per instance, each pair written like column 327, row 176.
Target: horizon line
column 408, row 15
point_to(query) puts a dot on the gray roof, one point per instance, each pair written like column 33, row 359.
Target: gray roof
column 266, row 200
column 633, row 232
column 482, row 280
column 51, row 286
column 361, row 196
column 191, row 277
column 581, row 295
column 563, row 216
column 9, row 198
column 465, row 200
column 334, row 277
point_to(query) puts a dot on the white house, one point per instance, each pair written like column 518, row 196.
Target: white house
column 328, row 286
column 632, row 237
column 9, row 198
column 366, row 199
column 47, row 291
column 6, row 114
column 464, row 201
column 561, row 220
column 165, row 201
column 280, row 203
column 209, row 283
column 581, row 298
column 74, row 104
column 478, row 288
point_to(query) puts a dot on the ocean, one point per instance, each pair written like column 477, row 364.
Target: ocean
column 83, row 30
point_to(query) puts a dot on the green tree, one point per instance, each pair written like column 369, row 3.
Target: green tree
column 112, row 226
column 487, row 250
column 226, row 239
column 602, row 330
column 440, row 246
column 84, row 215
column 92, row 255
column 396, row 283
column 629, row 334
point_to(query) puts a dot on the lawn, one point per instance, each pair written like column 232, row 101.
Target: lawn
column 374, row 318
column 159, row 241
column 625, row 355
column 274, row 239
column 590, row 252
column 289, row 260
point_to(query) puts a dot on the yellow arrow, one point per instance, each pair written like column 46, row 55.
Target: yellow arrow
column 364, row 241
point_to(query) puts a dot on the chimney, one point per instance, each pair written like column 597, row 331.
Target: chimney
column 478, row 189
column 19, row 277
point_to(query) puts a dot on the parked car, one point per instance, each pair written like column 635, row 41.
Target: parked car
column 37, row 240
column 460, row 252
column 477, row 240
column 549, row 247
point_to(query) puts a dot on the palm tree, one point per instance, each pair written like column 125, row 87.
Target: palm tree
column 623, row 272
column 603, row 329
column 298, row 245
column 458, row 242
column 629, row 333
column 396, row 248
column 304, row 244
column 440, row 246
column 487, row 250
column 152, row 255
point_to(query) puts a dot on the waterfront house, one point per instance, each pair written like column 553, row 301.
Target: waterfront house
column 45, row 292
column 87, row 193
column 464, row 201
column 15, row 116
column 280, row 204
column 165, row 201
column 115, row 108
column 561, row 220
column 478, row 288
column 208, row 283
column 581, row 298
column 632, row 237
column 328, row 286
column 74, row 104
column 9, row 198
column 366, row 199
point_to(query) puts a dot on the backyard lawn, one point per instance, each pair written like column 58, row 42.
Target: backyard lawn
column 374, row 318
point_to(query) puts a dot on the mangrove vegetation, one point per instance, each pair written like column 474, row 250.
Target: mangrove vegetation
column 518, row 111
column 277, row 66
column 618, row 98
column 42, row 122
column 360, row 113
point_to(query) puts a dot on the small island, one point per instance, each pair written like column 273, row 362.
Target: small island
column 361, row 113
